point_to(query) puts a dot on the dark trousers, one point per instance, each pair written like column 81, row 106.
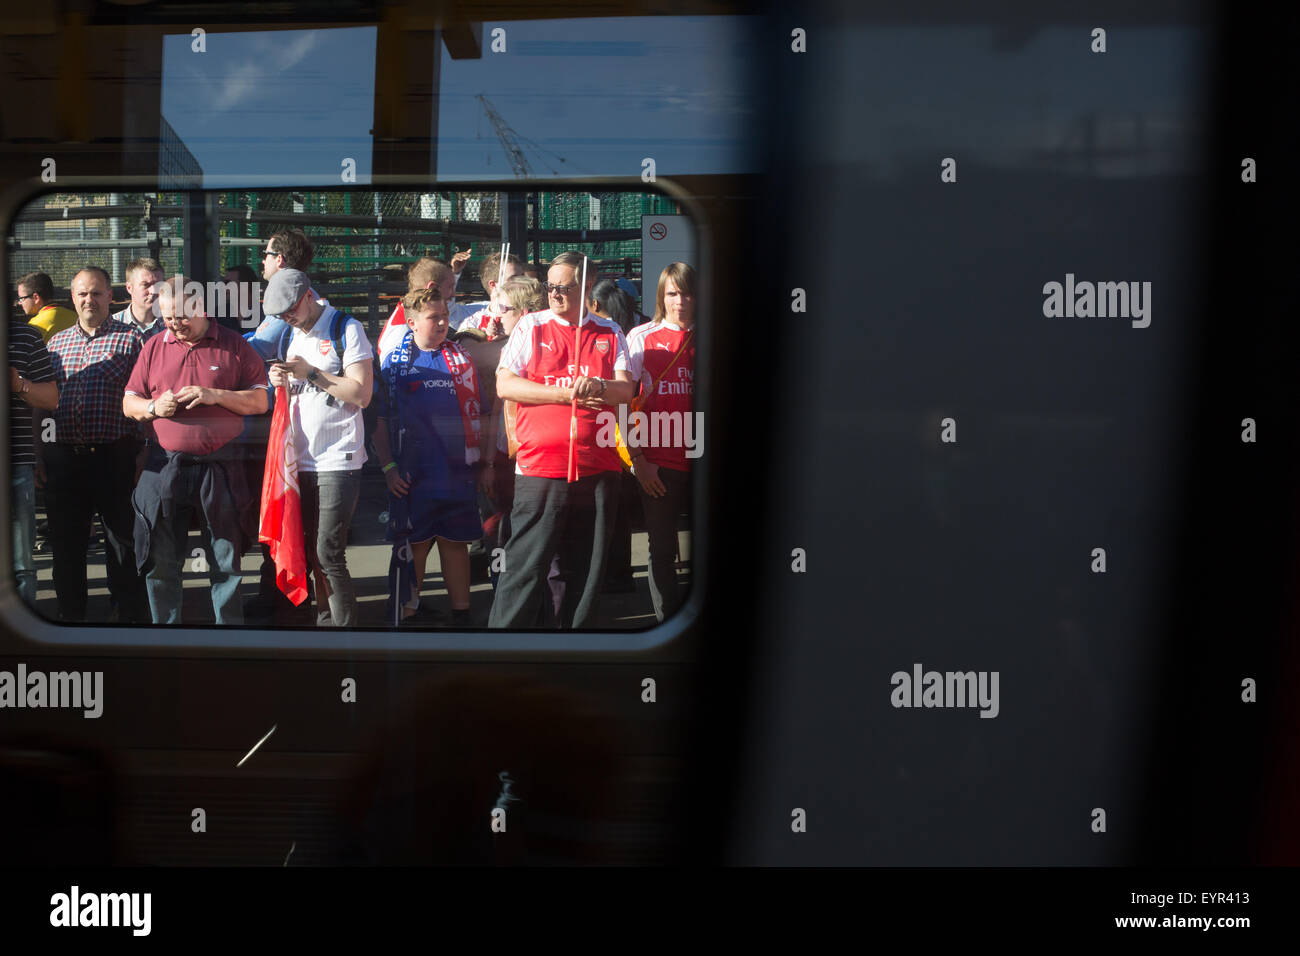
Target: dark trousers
column 329, row 499
column 661, row 516
column 80, row 482
column 619, row 568
column 551, row 516
column 503, row 500
column 503, row 485
column 205, row 490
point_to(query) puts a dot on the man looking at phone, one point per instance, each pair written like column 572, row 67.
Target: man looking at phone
column 328, row 370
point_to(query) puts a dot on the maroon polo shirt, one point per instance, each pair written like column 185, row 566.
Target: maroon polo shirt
column 220, row 359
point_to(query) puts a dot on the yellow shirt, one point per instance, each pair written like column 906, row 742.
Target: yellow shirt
column 52, row 319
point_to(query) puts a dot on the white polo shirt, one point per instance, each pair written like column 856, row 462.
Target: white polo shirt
column 329, row 435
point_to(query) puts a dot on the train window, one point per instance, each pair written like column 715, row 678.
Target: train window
column 342, row 409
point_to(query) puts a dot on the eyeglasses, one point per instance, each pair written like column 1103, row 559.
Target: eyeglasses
column 269, row 252
column 561, row 289
column 30, row 295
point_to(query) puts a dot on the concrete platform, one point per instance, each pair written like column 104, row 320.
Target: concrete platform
column 368, row 557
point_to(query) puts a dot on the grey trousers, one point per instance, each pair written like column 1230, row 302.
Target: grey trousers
column 329, row 499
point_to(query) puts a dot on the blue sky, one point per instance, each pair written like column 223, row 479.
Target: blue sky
column 288, row 105
column 604, row 94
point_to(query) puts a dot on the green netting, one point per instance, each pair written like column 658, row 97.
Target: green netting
column 350, row 269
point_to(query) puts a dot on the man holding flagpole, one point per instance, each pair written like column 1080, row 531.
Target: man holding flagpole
column 563, row 367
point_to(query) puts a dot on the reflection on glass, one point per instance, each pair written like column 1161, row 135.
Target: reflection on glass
column 357, row 409
column 291, row 105
column 597, row 97
column 571, row 98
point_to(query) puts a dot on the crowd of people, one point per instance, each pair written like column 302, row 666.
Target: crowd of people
column 487, row 421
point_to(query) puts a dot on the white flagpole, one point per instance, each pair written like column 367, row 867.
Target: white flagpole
column 577, row 357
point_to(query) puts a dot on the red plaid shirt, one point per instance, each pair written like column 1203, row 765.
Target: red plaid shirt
column 92, row 371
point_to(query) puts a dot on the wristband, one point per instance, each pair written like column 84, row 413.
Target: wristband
column 602, row 386
column 389, row 467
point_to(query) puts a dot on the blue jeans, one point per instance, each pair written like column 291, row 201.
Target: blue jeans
column 168, row 548
column 24, row 529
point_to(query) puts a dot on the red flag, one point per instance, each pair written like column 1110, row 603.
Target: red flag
column 281, row 520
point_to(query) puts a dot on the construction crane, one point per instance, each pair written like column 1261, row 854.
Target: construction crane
column 509, row 142
column 513, row 143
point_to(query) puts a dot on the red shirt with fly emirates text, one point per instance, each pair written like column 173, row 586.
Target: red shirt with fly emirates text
column 541, row 349
column 667, row 381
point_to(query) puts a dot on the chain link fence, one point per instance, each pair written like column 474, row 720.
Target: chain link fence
column 364, row 239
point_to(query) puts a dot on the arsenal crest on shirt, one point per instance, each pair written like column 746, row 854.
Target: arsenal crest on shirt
column 602, row 346
column 325, row 347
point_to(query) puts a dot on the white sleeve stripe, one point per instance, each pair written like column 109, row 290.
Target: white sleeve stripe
column 519, row 346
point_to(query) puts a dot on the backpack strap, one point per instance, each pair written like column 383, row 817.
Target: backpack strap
column 282, row 346
column 336, row 334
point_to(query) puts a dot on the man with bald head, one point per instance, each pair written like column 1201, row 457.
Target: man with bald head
column 195, row 383
column 90, row 464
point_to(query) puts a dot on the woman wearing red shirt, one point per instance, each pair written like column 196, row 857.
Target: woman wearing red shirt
column 662, row 356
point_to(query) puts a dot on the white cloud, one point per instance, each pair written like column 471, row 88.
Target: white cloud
column 240, row 83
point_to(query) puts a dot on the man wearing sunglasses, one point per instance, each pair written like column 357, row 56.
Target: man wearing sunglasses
column 544, row 367
column 36, row 299
column 287, row 249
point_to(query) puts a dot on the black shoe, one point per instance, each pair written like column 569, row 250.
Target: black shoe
column 462, row 617
column 425, row 616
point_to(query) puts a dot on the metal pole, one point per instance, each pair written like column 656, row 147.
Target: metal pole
column 347, row 250
column 193, row 233
column 212, row 216
column 375, row 248
column 115, row 232
column 72, row 244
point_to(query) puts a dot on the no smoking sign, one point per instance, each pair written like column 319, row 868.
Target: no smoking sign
column 659, row 249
